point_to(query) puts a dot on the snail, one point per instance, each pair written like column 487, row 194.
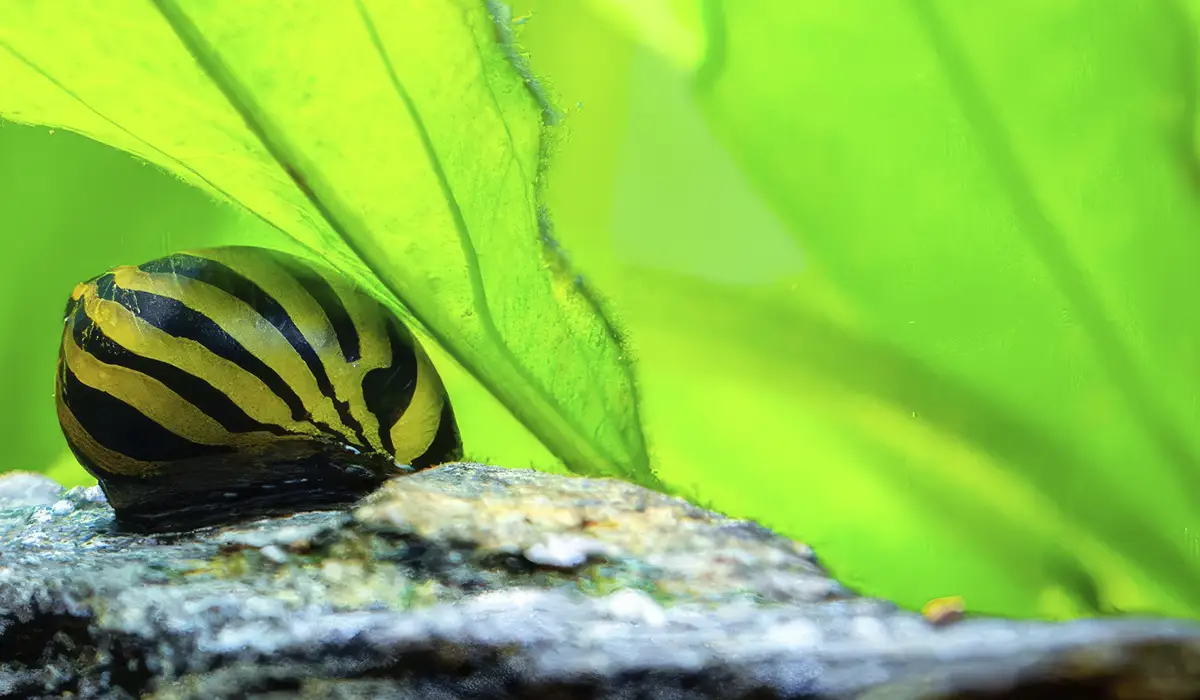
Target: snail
column 218, row 385
column 943, row 611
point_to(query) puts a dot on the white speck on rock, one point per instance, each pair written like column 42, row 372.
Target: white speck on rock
column 333, row 570
column 90, row 494
column 281, row 535
column 798, row 633
column 274, row 553
column 787, row 585
column 565, row 551
column 636, row 606
column 62, row 507
column 504, row 600
column 870, row 630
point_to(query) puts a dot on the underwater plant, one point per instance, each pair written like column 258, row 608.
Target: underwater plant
column 909, row 282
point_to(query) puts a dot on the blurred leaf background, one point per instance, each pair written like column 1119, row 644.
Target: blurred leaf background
column 909, row 281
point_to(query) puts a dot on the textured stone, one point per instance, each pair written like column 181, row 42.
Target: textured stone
column 28, row 489
column 470, row 581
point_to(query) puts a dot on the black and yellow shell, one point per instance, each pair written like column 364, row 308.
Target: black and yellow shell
column 214, row 385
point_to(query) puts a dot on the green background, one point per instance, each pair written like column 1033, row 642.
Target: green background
column 912, row 282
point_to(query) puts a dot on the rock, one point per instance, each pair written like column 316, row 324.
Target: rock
column 27, row 489
column 470, row 581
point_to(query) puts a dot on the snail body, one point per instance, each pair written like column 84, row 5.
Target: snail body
column 215, row 385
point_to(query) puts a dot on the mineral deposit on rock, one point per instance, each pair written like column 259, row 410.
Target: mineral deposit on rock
column 473, row 581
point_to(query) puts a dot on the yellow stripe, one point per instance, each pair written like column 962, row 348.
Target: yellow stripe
column 374, row 350
column 310, row 318
column 148, row 395
column 371, row 318
column 140, row 337
column 414, row 431
column 260, row 446
column 109, row 461
column 247, row 327
column 368, row 317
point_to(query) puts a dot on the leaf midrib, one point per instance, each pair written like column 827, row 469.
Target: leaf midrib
column 258, row 124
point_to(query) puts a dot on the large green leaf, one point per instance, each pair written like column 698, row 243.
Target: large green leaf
column 398, row 140
column 983, row 379
column 1003, row 193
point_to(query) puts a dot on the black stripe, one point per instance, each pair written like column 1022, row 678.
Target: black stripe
column 323, row 293
column 122, row 428
column 176, row 319
column 236, row 285
column 189, row 387
column 388, row 391
column 447, row 443
column 72, row 304
column 88, row 463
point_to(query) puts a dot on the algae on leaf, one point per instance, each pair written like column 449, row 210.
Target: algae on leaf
column 398, row 140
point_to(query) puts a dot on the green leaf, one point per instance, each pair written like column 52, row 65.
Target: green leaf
column 674, row 28
column 983, row 379
column 398, row 140
column 1002, row 193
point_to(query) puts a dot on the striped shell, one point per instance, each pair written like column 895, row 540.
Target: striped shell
column 214, row 385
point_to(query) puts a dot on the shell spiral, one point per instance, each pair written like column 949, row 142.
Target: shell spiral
column 215, row 385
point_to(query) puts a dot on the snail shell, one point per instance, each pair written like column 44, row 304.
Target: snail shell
column 216, row 385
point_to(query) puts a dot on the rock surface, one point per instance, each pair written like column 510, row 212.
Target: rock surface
column 470, row 581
